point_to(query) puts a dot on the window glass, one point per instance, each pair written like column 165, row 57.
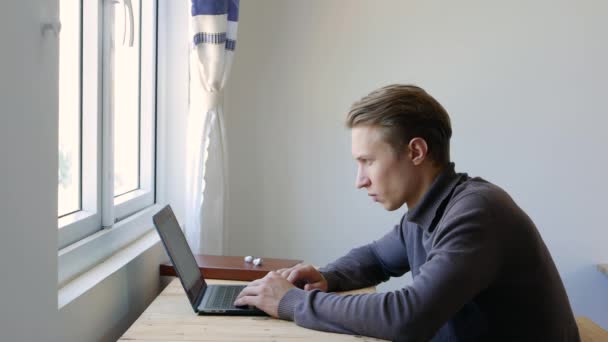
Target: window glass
column 126, row 95
column 69, row 175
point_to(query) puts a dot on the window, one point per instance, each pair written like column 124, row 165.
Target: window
column 107, row 78
column 125, row 55
column 69, row 110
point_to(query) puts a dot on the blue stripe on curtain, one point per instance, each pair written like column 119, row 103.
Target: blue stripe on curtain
column 209, row 38
column 233, row 10
column 209, row 7
column 230, row 44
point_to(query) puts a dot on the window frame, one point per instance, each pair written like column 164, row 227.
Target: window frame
column 133, row 201
column 78, row 225
column 85, row 223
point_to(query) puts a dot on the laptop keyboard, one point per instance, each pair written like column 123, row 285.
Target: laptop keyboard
column 223, row 297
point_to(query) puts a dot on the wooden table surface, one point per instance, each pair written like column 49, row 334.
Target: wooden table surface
column 170, row 318
column 589, row 331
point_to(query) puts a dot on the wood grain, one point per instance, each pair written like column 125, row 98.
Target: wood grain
column 170, row 318
column 589, row 331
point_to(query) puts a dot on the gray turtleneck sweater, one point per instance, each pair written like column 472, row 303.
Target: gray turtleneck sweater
column 480, row 270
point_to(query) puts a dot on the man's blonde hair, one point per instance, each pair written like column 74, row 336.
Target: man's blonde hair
column 404, row 112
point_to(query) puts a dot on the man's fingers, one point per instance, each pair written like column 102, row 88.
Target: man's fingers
column 294, row 276
column 305, row 273
column 298, row 274
column 285, row 273
column 251, row 290
column 255, row 282
column 313, row 286
column 247, row 300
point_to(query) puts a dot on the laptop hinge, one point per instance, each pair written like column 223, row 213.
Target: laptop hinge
column 201, row 294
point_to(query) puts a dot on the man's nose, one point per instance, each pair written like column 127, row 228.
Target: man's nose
column 362, row 181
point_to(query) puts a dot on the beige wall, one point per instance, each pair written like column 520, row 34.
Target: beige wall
column 524, row 82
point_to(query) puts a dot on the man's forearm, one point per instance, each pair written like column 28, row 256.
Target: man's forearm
column 381, row 315
column 358, row 269
column 369, row 265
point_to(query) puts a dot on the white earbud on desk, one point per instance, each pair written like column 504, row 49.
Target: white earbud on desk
column 256, row 261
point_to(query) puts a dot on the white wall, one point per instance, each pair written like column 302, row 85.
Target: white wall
column 28, row 184
column 28, row 176
column 525, row 85
column 106, row 311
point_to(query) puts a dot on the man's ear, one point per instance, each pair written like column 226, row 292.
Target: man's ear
column 418, row 150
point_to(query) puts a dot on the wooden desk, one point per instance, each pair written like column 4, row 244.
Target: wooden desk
column 170, row 318
column 231, row 267
column 589, row 331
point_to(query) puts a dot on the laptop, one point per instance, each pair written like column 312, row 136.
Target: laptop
column 205, row 299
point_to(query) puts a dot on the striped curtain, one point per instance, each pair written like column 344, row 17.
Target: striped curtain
column 213, row 29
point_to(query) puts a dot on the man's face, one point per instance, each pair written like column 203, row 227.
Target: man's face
column 388, row 177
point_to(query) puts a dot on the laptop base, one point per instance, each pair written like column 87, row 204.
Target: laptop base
column 219, row 299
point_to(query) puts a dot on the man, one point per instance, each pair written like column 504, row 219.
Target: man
column 480, row 268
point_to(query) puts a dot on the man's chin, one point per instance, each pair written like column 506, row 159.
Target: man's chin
column 390, row 206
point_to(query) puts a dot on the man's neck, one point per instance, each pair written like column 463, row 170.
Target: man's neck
column 427, row 179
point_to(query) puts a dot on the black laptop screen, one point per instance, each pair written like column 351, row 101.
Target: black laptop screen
column 181, row 256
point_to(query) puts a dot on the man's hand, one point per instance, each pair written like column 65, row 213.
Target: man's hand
column 265, row 293
column 304, row 276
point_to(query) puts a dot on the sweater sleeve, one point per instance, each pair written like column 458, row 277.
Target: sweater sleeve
column 463, row 261
column 369, row 265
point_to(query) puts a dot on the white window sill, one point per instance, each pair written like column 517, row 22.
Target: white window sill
column 84, row 264
column 86, row 281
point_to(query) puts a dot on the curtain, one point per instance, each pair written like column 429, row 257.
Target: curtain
column 213, row 29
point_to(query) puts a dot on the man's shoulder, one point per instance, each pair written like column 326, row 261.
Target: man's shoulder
column 477, row 192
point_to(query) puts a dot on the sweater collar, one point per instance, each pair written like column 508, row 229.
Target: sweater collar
column 425, row 211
